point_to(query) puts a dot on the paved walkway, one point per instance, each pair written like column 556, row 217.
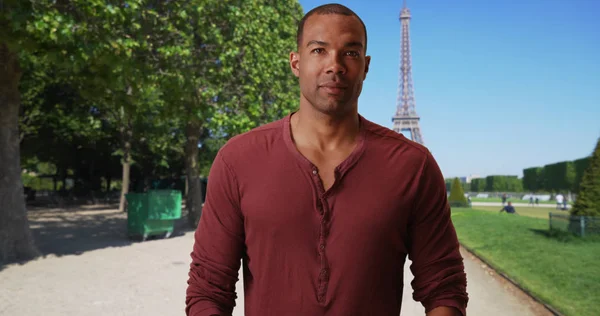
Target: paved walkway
column 95, row 270
column 516, row 204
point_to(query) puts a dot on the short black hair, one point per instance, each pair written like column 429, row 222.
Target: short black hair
column 331, row 8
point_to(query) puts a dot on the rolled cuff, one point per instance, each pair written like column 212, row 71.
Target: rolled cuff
column 460, row 305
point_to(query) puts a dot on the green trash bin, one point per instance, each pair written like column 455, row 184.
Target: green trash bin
column 152, row 213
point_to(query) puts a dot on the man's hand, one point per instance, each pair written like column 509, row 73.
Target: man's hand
column 444, row 311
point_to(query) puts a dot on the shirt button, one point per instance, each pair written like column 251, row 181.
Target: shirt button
column 322, row 246
column 315, row 171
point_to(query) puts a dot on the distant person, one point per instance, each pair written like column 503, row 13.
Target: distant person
column 537, row 201
column 509, row 209
column 469, row 200
column 559, row 201
column 503, row 199
column 531, row 200
column 565, row 200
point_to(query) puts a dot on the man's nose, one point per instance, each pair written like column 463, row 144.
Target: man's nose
column 336, row 64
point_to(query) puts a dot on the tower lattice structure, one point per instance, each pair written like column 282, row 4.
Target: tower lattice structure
column 406, row 118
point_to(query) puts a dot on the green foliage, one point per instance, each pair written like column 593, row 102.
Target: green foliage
column 225, row 63
column 478, row 185
column 532, row 179
column 503, row 184
column 580, row 166
column 457, row 195
column 99, row 73
column 466, row 187
column 39, row 183
column 559, row 176
column 588, row 199
column 494, row 183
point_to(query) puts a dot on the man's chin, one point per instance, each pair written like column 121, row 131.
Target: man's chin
column 334, row 109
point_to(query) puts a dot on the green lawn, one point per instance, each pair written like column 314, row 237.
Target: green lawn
column 562, row 270
column 476, row 199
column 537, row 212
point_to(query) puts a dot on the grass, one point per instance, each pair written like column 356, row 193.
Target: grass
column 536, row 212
column 478, row 199
column 560, row 269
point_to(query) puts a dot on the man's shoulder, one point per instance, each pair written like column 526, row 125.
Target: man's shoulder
column 385, row 137
column 254, row 140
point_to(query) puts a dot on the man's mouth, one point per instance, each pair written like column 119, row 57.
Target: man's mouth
column 333, row 87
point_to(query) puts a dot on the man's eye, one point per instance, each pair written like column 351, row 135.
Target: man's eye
column 317, row 50
column 353, row 54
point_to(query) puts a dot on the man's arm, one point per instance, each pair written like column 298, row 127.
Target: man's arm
column 218, row 246
column 440, row 281
column 444, row 311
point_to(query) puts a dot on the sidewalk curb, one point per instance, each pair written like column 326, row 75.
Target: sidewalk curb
column 513, row 282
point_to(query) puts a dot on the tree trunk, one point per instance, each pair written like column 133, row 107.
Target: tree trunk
column 194, row 195
column 16, row 240
column 64, row 181
column 108, row 181
column 126, row 137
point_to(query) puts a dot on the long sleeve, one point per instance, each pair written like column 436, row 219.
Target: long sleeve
column 434, row 250
column 218, row 246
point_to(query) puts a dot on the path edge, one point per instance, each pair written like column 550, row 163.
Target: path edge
column 513, row 282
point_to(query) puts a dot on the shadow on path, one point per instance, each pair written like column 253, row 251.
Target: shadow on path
column 73, row 231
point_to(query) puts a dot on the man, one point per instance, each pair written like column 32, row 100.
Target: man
column 559, row 201
column 323, row 206
column 508, row 208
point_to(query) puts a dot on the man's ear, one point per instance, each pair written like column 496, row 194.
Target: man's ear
column 367, row 62
column 295, row 63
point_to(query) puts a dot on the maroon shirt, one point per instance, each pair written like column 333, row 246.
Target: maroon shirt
column 310, row 252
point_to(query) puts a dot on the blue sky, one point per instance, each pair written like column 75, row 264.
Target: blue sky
column 499, row 85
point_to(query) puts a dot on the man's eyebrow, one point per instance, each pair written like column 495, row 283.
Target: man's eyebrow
column 321, row 43
column 315, row 42
column 354, row 44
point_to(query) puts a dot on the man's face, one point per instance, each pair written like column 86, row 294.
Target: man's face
column 331, row 63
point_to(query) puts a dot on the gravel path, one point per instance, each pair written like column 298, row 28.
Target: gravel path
column 92, row 269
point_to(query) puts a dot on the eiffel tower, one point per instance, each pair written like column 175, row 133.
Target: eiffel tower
column 406, row 118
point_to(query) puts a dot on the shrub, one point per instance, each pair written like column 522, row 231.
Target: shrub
column 588, row 199
column 457, row 195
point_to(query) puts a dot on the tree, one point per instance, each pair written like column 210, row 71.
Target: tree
column 71, row 35
column 531, row 179
column 478, row 185
column 559, row 176
column 16, row 241
column 225, row 65
column 457, row 195
column 580, row 167
column 588, row 199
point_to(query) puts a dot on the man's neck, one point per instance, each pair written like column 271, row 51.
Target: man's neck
column 323, row 132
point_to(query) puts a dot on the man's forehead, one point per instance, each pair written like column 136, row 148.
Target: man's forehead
column 317, row 23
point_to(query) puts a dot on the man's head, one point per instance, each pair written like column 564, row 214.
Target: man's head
column 332, row 8
column 509, row 203
column 331, row 60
